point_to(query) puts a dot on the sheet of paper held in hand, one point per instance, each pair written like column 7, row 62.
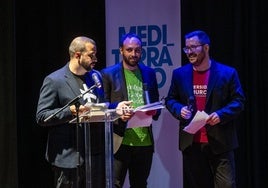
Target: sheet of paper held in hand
column 140, row 118
column 197, row 122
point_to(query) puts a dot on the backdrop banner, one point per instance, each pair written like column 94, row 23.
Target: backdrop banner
column 158, row 24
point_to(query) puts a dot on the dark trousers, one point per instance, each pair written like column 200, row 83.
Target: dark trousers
column 67, row 177
column 137, row 160
column 203, row 169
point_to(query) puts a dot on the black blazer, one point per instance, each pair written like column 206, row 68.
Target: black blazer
column 224, row 96
column 59, row 88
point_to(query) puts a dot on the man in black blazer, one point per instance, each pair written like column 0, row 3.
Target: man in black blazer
column 206, row 85
column 65, row 143
column 124, row 81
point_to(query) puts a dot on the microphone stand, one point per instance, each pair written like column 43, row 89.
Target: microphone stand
column 77, row 105
column 74, row 101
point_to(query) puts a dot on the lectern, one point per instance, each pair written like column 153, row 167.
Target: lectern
column 99, row 114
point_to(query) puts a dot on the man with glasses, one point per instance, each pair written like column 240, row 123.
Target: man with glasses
column 65, row 144
column 206, row 85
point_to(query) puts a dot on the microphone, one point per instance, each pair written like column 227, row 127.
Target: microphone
column 96, row 80
column 191, row 103
column 146, row 94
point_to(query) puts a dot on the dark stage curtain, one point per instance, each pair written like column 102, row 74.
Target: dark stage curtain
column 8, row 125
column 34, row 41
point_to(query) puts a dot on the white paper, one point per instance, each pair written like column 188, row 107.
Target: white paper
column 197, row 122
column 140, row 119
column 151, row 106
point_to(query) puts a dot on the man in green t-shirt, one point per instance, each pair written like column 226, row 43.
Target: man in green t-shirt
column 125, row 81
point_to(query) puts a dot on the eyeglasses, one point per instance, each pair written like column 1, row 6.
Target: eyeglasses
column 193, row 48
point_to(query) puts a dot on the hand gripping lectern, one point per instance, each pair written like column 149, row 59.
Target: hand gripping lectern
column 99, row 113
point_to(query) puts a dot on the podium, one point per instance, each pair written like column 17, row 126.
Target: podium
column 99, row 114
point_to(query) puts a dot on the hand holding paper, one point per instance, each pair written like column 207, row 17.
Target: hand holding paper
column 143, row 115
column 124, row 107
column 197, row 122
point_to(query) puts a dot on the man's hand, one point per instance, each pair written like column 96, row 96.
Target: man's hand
column 82, row 109
column 186, row 113
column 125, row 110
column 213, row 119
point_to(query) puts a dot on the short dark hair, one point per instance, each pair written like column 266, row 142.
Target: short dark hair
column 128, row 35
column 202, row 36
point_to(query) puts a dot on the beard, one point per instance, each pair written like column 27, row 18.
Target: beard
column 87, row 66
column 195, row 59
column 131, row 61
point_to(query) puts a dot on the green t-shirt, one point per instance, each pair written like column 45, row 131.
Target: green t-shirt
column 138, row 136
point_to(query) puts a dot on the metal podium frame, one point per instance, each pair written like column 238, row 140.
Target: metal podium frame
column 102, row 115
